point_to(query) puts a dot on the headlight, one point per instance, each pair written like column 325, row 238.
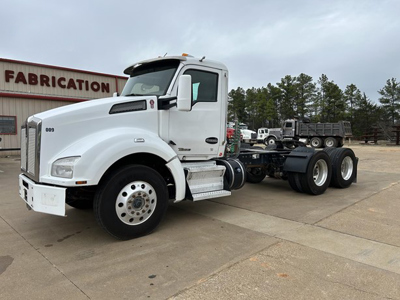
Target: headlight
column 64, row 167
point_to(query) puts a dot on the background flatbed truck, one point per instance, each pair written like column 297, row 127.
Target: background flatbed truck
column 163, row 139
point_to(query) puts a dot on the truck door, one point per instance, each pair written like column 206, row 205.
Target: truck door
column 289, row 128
column 199, row 134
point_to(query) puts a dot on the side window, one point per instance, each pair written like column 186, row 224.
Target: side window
column 204, row 85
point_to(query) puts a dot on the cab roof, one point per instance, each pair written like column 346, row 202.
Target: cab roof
column 187, row 60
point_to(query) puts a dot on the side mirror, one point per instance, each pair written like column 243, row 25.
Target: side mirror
column 115, row 94
column 184, row 100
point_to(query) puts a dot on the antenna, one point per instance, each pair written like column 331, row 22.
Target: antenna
column 165, row 54
column 201, row 60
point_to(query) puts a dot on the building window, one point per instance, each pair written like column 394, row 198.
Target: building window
column 8, row 125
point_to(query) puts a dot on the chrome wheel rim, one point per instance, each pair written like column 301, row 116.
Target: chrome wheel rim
column 136, row 202
column 329, row 143
column 320, row 172
column 315, row 143
column 346, row 168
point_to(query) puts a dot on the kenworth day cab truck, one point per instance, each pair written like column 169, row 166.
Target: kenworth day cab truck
column 163, row 138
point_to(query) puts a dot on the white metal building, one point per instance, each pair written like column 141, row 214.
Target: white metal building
column 28, row 88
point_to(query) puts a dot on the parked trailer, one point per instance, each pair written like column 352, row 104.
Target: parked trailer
column 163, row 139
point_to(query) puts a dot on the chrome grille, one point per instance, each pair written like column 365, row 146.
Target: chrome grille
column 23, row 149
column 31, row 150
column 30, row 147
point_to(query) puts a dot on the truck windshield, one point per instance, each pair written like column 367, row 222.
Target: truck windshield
column 150, row 78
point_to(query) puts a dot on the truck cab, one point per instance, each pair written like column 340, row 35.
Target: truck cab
column 269, row 136
column 163, row 138
column 289, row 128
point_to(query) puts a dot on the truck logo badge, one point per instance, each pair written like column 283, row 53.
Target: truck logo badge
column 152, row 103
column 211, row 140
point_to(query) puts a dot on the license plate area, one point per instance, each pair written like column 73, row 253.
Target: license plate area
column 42, row 198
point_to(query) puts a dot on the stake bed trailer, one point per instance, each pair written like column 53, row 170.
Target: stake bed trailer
column 163, row 139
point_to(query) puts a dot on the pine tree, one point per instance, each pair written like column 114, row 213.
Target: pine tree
column 237, row 105
column 305, row 94
column 352, row 96
column 390, row 99
column 288, row 107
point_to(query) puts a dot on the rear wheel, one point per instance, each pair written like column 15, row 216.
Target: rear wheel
column 330, row 142
column 318, row 174
column 255, row 175
column 131, row 202
column 316, row 142
column 294, row 182
column 344, row 167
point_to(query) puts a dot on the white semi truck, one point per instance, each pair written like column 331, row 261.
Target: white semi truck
column 163, row 139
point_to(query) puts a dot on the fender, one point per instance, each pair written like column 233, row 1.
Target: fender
column 102, row 149
column 297, row 161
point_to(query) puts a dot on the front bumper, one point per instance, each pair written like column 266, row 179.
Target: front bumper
column 42, row 198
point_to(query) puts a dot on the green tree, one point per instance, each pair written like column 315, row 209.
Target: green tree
column 305, row 94
column 288, row 107
column 269, row 106
column 237, row 105
column 332, row 104
column 252, row 108
column 352, row 96
column 366, row 115
column 390, row 99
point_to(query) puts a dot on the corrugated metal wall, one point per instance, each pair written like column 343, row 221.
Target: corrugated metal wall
column 22, row 85
column 21, row 108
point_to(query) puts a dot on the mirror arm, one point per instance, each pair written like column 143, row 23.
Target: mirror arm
column 165, row 103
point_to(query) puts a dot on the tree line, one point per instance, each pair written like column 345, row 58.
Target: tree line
column 321, row 101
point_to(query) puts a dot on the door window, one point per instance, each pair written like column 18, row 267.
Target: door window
column 204, row 85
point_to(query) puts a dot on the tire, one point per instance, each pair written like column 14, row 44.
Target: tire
column 294, row 182
column 318, row 174
column 131, row 202
column 316, row 142
column 330, row 142
column 344, row 167
column 340, row 142
column 255, row 175
column 271, row 141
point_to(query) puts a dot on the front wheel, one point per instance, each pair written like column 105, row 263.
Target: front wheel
column 131, row 202
column 271, row 141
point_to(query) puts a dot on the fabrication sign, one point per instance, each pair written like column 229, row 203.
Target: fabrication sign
column 34, row 79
